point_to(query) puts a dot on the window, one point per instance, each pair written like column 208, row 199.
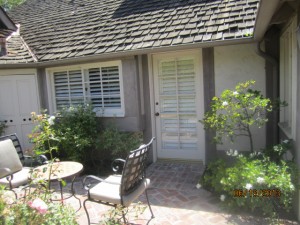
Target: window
column 288, row 79
column 96, row 84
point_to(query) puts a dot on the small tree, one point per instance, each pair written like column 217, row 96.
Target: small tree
column 235, row 112
column 9, row 4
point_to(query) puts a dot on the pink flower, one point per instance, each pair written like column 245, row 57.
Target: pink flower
column 39, row 205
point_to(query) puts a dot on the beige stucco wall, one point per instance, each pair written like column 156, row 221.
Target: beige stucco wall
column 296, row 145
column 234, row 64
column 132, row 120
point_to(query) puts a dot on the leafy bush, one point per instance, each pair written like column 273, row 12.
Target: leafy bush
column 214, row 172
column 74, row 134
column 117, row 144
column 261, row 180
column 111, row 144
column 276, row 152
column 77, row 128
column 252, row 183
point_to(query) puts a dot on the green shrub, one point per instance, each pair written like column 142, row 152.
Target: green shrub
column 255, row 184
column 214, row 172
column 77, row 128
column 112, row 144
column 276, row 152
column 260, row 181
column 117, row 144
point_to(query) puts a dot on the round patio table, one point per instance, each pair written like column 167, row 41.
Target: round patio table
column 58, row 171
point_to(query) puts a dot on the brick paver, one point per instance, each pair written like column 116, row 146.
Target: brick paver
column 174, row 198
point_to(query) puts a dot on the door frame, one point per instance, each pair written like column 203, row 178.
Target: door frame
column 151, row 65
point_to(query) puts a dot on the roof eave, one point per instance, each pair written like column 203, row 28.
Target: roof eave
column 7, row 21
column 266, row 10
column 115, row 55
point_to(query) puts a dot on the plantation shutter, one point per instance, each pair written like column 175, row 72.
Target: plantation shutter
column 104, row 87
column 68, row 88
column 97, row 84
column 111, row 87
column 177, row 93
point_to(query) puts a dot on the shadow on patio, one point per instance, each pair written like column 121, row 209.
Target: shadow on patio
column 174, row 199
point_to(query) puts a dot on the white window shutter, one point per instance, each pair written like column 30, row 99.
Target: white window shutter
column 99, row 85
column 68, row 88
column 111, row 87
column 104, row 87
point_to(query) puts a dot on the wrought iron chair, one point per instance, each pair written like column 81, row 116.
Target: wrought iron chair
column 125, row 188
column 13, row 172
column 27, row 161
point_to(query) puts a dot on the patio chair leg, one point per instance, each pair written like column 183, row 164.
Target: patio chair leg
column 152, row 215
column 15, row 194
column 86, row 212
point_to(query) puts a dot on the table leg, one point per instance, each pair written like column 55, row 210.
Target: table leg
column 73, row 193
column 61, row 192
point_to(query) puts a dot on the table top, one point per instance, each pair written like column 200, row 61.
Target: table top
column 59, row 170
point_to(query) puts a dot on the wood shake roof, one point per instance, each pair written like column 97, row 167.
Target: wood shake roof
column 62, row 29
column 17, row 51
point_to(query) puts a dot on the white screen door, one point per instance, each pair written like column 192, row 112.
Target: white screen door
column 179, row 106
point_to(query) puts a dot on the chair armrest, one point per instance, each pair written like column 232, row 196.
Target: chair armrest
column 117, row 165
column 32, row 161
column 43, row 159
column 87, row 185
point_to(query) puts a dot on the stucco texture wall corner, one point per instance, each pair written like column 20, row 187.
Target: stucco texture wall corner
column 234, row 64
column 131, row 121
column 42, row 87
column 297, row 136
column 130, row 87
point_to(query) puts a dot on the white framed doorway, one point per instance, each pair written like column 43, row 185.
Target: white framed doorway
column 178, row 105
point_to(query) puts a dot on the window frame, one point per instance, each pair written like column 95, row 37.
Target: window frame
column 100, row 112
column 288, row 64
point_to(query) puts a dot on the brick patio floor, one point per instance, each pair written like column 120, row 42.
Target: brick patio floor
column 174, row 198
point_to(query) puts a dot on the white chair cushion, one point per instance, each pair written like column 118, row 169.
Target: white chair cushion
column 9, row 158
column 111, row 192
column 19, row 178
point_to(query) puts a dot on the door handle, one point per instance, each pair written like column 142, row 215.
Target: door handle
column 157, row 114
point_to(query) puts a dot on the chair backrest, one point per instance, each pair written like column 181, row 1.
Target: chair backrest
column 14, row 138
column 9, row 158
column 134, row 170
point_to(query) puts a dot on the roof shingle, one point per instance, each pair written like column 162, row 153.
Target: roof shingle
column 17, row 51
column 62, row 28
